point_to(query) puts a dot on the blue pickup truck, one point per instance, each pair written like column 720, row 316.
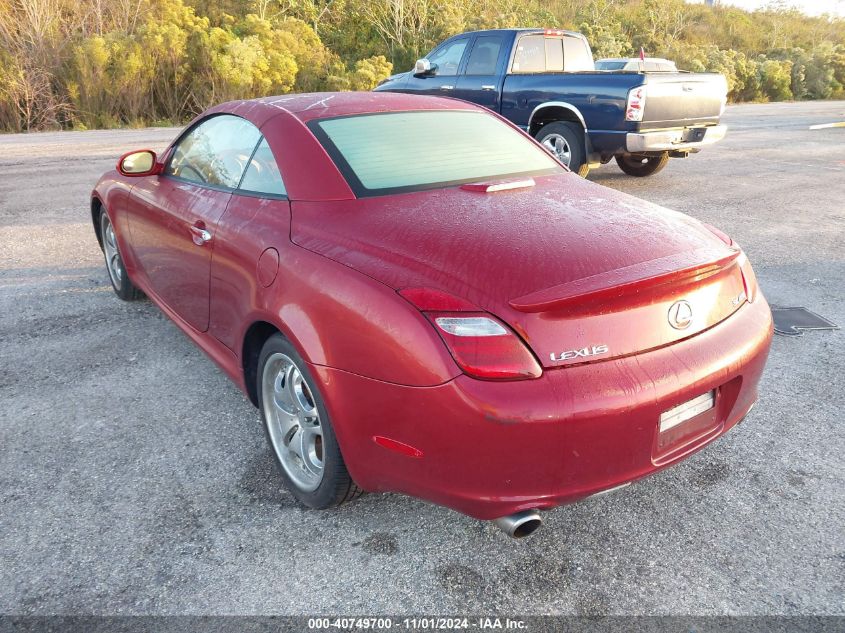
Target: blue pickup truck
column 545, row 82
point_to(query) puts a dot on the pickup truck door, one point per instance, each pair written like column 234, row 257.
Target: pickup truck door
column 481, row 80
column 448, row 57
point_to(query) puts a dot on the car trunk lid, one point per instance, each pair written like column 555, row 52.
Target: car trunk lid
column 569, row 265
column 633, row 309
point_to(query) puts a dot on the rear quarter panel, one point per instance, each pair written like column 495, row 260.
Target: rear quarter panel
column 334, row 315
column 600, row 97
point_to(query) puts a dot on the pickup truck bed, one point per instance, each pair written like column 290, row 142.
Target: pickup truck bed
column 586, row 117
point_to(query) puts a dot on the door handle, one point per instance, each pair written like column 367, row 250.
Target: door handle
column 447, row 87
column 488, row 87
column 200, row 234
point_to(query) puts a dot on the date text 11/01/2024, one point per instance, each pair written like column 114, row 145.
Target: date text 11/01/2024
column 417, row 623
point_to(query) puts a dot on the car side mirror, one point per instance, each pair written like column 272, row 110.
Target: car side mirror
column 424, row 68
column 139, row 163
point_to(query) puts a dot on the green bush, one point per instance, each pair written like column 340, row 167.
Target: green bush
column 776, row 79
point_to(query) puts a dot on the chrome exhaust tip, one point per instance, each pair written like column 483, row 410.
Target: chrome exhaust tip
column 520, row 524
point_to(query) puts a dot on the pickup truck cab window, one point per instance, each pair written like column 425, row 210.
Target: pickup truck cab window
column 215, row 152
column 484, row 55
column 530, row 55
column 576, row 55
column 539, row 53
column 554, row 54
column 448, row 57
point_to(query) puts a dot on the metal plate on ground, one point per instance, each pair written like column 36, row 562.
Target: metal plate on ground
column 793, row 321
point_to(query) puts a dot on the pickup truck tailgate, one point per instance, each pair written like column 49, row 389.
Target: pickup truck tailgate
column 682, row 99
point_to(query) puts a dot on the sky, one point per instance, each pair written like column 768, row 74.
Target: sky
column 811, row 7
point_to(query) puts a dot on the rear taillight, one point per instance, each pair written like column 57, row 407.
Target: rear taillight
column 483, row 347
column 636, row 104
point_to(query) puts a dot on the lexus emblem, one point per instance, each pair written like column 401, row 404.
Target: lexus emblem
column 680, row 315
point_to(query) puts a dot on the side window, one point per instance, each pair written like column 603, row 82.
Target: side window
column 576, row 55
column 484, row 55
column 448, row 57
column 215, row 152
column 262, row 175
column 530, row 56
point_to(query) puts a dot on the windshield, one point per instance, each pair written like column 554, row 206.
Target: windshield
column 410, row 151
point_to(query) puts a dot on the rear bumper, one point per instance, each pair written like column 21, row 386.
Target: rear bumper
column 490, row 449
column 671, row 140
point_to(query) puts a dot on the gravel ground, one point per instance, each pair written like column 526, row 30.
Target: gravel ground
column 134, row 478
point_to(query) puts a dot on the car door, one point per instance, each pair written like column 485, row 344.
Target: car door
column 174, row 216
column 447, row 57
column 480, row 81
column 250, row 237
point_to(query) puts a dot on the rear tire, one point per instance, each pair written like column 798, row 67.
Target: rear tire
column 641, row 166
column 565, row 141
column 299, row 430
column 120, row 282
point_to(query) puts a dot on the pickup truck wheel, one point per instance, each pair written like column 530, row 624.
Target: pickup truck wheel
column 565, row 141
column 641, row 166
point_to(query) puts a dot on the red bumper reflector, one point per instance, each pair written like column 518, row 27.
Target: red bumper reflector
column 399, row 447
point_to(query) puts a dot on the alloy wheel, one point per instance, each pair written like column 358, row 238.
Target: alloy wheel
column 293, row 421
column 558, row 146
column 113, row 261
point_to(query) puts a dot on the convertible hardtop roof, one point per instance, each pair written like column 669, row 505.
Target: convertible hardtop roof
column 311, row 174
column 322, row 105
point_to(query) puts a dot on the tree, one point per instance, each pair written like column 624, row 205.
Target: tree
column 368, row 72
column 117, row 62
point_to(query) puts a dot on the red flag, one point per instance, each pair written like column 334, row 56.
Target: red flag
column 642, row 54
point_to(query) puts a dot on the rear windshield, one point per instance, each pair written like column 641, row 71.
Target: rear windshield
column 411, row 151
column 610, row 65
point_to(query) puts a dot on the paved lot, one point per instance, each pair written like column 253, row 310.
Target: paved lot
column 134, row 478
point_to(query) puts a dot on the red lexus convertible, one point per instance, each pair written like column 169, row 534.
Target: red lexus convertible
column 420, row 299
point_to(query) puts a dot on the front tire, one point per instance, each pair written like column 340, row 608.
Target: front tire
column 565, row 141
column 120, row 281
column 299, row 429
column 642, row 166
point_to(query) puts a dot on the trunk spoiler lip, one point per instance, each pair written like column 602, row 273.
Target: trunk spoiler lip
column 699, row 263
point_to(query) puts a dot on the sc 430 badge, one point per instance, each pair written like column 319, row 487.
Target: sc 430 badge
column 586, row 352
